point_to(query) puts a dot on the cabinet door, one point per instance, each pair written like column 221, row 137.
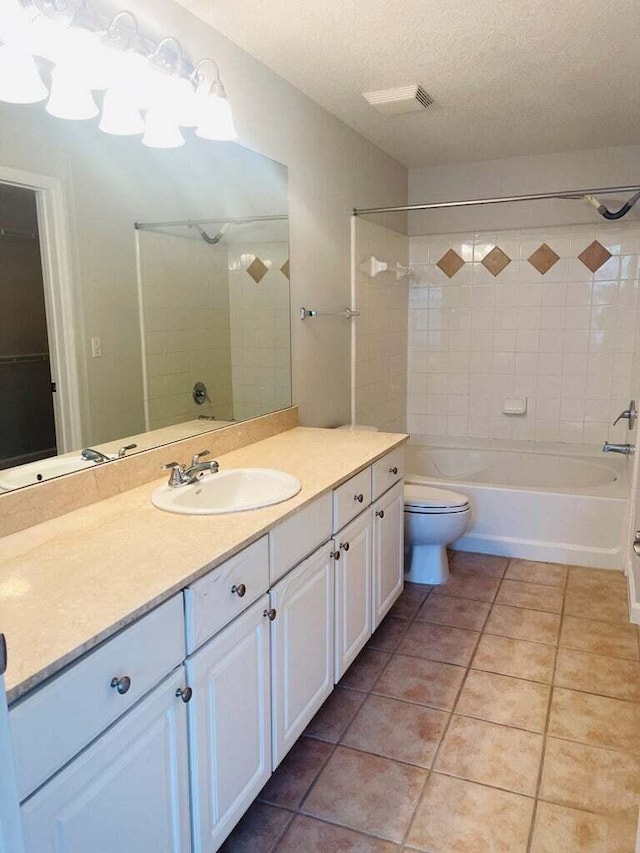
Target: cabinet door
column 388, row 551
column 127, row 793
column 302, row 647
column 229, row 725
column 353, row 591
column 10, row 829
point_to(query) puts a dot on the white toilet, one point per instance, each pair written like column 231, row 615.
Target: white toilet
column 433, row 518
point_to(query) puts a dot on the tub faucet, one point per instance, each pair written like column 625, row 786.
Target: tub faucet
column 625, row 449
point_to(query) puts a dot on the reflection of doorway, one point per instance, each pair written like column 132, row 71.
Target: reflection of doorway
column 27, row 424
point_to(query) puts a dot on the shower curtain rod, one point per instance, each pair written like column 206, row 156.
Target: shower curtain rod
column 146, row 226
column 561, row 194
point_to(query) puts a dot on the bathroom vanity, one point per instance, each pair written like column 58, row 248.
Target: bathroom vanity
column 152, row 725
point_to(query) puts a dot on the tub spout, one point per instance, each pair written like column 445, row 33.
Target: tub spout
column 626, row 449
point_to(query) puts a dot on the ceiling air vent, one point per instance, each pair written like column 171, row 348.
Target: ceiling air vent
column 407, row 99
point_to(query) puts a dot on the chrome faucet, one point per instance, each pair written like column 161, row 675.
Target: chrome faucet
column 183, row 476
column 96, row 456
column 123, row 450
column 626, row 449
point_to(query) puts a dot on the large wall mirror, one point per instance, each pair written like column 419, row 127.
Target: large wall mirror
column 144, row 293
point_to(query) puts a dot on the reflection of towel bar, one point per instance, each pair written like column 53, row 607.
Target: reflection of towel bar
column 347, row 314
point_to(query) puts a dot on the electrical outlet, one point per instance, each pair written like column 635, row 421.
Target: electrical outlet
column 96, row 348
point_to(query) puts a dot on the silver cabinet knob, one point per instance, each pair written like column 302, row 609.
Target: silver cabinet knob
column 393, row 470
column 270, row 614
column 380, row 513
column 184, row 693
column 121, row 684
column 345, row 546
column 358, row 498
column 239, row 589
column 335, row 555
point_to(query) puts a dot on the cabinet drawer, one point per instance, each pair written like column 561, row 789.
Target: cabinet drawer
column 387, row 471
column 51, row 725
column 351, row 498
column 297, row 536
column 216, row 599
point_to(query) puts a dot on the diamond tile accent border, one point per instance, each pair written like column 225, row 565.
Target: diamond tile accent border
column 496, row 261
column 543, row 258
column 257, row 270
column 450, row 263
column 594, row 256
column 284, row 269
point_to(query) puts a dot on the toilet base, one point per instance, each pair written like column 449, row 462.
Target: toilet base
column 427, row 564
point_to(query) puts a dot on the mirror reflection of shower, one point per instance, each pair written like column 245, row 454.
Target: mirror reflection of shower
column 215, row 309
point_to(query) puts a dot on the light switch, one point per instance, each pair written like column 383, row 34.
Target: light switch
column 96, row 348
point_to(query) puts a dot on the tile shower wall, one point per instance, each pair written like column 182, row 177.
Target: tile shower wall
column 381, row 330
column 547, row 314
column 260, row 327
column 184, row 295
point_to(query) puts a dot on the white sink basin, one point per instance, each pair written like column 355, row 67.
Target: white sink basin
column 45, row 469
column 235, row 490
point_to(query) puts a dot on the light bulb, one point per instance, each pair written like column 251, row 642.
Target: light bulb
column 216, row 121
column 161, row 130
column 70, row 98
column 20, row 81
column 120, row 114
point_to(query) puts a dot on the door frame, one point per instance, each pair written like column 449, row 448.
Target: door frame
column 59, row 279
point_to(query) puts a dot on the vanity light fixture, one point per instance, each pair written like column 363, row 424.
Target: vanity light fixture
column 148, row 88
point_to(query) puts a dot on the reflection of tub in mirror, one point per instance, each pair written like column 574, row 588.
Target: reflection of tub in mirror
column 128, row 320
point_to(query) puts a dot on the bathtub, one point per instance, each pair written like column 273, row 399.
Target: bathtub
column 556, row 503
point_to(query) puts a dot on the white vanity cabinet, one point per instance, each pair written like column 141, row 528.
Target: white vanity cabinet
column 302, row 647
column 388, row 551
column 128, row 792
column 10, row 827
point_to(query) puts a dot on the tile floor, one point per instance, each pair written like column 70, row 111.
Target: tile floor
column 500, row 712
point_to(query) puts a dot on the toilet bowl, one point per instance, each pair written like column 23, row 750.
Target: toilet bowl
column 433, row 518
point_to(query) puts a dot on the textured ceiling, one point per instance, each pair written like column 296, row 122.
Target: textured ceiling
column 509, row 77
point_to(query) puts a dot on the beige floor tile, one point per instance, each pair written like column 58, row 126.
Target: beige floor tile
column 583, row 577
column 470, row 585
column 258, row 831
column 399, row 730
column 532, row 661
column 597, row 602
column 505, row 700
column 482, row 564
column 559, row 829
column 423, row 681
column 307, row 835
column 335, row 715
column 548, row 574
column 522, row 624
column 410, row 600
column 601, row 638
column 533, row 596
column 491, row 754
column 366, row 793
column 365, row 669
column 457, row 612
column 606, row 676
column 589, row 777
column 289, row 784
column 596, row 720
column 439, row 642
column 388, row 635
column 456, row 816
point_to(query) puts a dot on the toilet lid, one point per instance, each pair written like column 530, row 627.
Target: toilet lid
column 430, row 498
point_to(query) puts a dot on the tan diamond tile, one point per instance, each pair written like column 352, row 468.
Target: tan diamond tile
column 258, row 830
column 595, row 720
column 500, row 699
column 410, row 600
column 547, row 574
column 363, row 672
column 470, row 585
column 543, row 258
column 583, row 578
column 481, row 564
column 491, row 754
column 605, row 676
column 456, row 815
column 589, row 777
column 439, row 642
column 594, row 256
column 291, row 781
column 335, row 715
column 519, row 658
column 496, row 261
column 388, row 634
column 558, row 828
column 257, row 270
column 603, row 603
column 315, row 836
column 530, row 595
column 366, row 792
column 423, row 681
column 457, row 612
column 450, row 263
column 399, row 730
column 285, row 269
column 601, row 638
column 522, row 624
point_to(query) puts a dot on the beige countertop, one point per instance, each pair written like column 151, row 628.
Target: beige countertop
column 69, row 583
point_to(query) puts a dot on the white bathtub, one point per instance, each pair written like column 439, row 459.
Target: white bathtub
column 558, row 503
